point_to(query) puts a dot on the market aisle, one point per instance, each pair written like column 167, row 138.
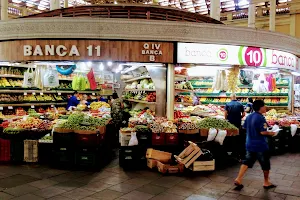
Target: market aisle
column 36, row 182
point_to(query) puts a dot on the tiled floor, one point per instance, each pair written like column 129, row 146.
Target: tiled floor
column 33, row 182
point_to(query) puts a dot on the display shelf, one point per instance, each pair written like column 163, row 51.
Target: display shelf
column 242, row 96
column 140, row 101
column 224, row 103
column 65, row 79
column 35, row 104
column 184, row 103
column 28, row 91
column 179, row 76
column 140, row 90
column 183, row 90
column 136, row 79
column 11, row 76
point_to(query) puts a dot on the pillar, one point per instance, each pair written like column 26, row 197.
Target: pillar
column 54, row 4
column 251, row 15
column 4, row 9
column 215, row 9
column 170, row 91
column 229, row 16
column 272, row 15
column 66, row 3
column 24, row 11
column 293, row 25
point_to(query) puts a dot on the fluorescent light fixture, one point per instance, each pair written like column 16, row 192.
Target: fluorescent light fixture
column 101, row 67
column 89, row 64
column 109, row 63
column 295, row 73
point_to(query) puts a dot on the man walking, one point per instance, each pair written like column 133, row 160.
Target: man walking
column 256, row 145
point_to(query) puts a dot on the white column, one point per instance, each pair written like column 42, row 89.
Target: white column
column 4, row 9
column 215, row 7
column 24, row 11
column 170, row 91
column 66, row 3
column 54, row 4
column 251, row 15
column 272, row 15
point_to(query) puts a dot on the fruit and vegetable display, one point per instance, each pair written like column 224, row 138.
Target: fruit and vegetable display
column 97, row 105
column 141, row 117
column 142, row 96
column 10, row 82
column 33, row 113
column 208, row 123
column 82, row 121
column 184, row 85
column 11, row 71
column 28, row 123
column 142, row 84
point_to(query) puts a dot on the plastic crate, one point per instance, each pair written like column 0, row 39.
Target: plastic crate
column 89, row 139
column 63, row 157
column 45, row 152
column 31, row 150
column 172, row 138
column 158, row 139
column 144, row 138
column 4, row 150
column 87, row 158
column 17, row 150
column 66, row 140
column 132, row 157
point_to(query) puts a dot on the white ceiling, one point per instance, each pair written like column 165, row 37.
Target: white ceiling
column 195, row 6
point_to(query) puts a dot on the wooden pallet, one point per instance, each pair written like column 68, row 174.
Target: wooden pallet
column 189, row 155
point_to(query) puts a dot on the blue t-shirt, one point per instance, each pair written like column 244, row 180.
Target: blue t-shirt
column 235, row 110
column 254, row 124
column 72, row 102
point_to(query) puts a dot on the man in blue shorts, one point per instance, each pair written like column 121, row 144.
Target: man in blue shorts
column 256, row 145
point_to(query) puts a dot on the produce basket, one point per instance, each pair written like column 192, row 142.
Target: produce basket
column 204, row 132
column 193, row 131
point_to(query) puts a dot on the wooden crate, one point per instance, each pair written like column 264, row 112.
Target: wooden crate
column 151, row 163
column 164, row 157
column 124, row 138
column 31, row 150
column 188, row 156
column 203, row 166
column 171, row 169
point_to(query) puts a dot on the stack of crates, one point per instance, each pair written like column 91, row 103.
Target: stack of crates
column 88, row 149
column 134, row 157
column 63, row 149
column 17, row 150
column 4, row 150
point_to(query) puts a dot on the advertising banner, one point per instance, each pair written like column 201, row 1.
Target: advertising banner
column 235, row 55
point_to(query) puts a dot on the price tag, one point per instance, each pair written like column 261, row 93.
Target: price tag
column 41, row 93
column 52, row 106
column 32, row 106
column 42, row 117
column 33, row 93
column 93, row 93
column 59, row 93
column 25, row 93
column 1, row 108
column 10, row 107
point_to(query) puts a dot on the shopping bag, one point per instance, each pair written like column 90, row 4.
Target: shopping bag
column 92, row 81
column 50, row 78
column 133, row 140
column 212, row 133
column 28, row 81
column 221, row 136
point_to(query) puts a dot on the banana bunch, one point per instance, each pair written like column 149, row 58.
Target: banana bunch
column 232, row 78
column 97, row 105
